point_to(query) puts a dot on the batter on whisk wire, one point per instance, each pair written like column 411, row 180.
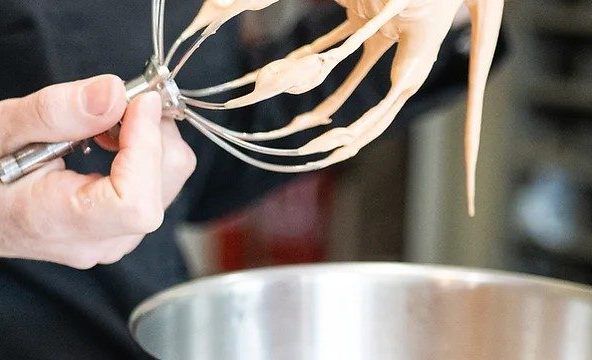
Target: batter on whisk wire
column 417, row 26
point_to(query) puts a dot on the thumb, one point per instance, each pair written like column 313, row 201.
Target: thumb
column 69, row 111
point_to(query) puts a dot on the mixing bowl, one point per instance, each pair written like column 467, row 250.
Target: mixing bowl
column 369, row 311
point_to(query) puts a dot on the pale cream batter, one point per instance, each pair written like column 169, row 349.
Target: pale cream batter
column 418, row 26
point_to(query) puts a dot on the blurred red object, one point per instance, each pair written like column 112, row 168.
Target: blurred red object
column 288, row 226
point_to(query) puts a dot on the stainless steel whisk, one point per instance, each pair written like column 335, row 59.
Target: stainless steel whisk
column 418, row 27
column 156, row 77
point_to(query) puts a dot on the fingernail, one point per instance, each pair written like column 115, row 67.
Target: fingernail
column 97, row 97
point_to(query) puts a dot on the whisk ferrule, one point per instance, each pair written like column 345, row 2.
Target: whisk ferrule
column 156, row 77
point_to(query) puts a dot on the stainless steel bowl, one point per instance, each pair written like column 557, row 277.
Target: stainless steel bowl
column 370, row 312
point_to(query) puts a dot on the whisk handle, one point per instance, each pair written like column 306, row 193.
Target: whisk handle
column 33, row 157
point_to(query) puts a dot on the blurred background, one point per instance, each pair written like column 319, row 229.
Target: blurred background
column 402, row 198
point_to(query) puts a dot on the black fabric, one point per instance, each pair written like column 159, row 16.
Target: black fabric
column 49, row 311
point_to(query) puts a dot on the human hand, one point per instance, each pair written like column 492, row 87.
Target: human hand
column 79, row 220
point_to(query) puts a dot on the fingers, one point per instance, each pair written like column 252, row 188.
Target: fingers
column 133, row 191
column 107, row 140
column 82, row 255
column 79, row 220
column 179, row 161
column 128, row 202
column 82, row 220
column 113, row 250
column 69, row 111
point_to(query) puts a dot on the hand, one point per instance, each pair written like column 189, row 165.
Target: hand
column 82, row 220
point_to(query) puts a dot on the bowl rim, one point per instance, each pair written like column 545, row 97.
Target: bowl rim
column 476, row 276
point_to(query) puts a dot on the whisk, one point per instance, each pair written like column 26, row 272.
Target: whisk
column 418, row 26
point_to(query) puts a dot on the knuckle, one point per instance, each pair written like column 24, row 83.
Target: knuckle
column 150, row 221
column 153, row 220
column 120, row 250
column 44, row 106
column 132, row 245
column 181, row 158
column 112, row 257
column 83, row 261
column 192, row 158
column 142, row 217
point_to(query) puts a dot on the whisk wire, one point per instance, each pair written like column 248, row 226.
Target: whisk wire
column 155, row 45
column 196, row 44
column 221, row 88
column 202, row 104
column 311, row 166
column 209, row 31
column 161, row 13
column 172, row 51
column 227, row 135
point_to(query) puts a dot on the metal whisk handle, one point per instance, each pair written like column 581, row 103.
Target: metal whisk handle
column 32, row 157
